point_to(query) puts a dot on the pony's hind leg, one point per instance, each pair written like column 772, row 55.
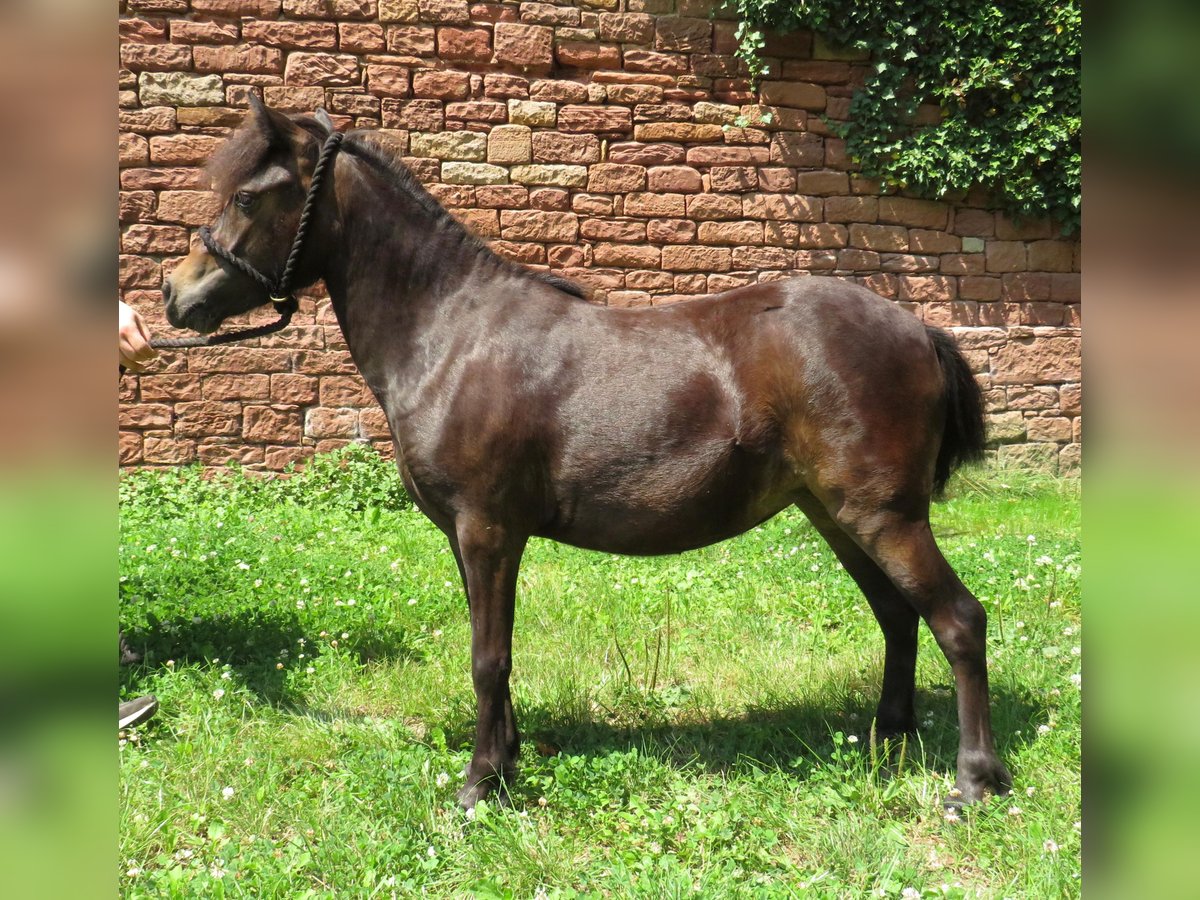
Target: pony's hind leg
column 901, row 543
column 895, row 714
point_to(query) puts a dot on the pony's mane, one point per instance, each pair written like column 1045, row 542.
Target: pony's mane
column 247, row 148
column 374, row 149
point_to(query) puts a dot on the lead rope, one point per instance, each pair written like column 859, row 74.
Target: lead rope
column 279, row 290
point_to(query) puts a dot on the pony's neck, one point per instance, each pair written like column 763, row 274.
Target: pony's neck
column 399, row 266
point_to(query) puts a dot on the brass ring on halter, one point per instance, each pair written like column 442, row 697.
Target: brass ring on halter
column 280, row 299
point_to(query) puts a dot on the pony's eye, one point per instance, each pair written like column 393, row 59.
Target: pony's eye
column 244, row 200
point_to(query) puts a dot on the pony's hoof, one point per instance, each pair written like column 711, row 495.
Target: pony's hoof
column 483, row 789
column 975, row 780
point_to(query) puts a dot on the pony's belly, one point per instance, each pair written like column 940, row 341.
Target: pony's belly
column 641, row 531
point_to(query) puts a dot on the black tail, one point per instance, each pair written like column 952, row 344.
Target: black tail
column 964, row 437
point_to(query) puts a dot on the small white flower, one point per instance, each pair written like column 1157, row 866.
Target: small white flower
column 1043, row 729
column 227, row 793
column 431, row 851
column 1050, row 847
column 909, row 893
column 1077, row 680
column 351, row 602
column 412, row 601
column 219, row 693
column 951, row 815
column 225, row 676
column 1014, row 810
column 1030, row 539
column 258, row 582
column 245, row 567
column 442, row 779
column 1044, row 561
column 852, row 739
column 133, row 872
column 310, row 670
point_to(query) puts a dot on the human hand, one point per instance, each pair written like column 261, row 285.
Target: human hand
column 133, row 339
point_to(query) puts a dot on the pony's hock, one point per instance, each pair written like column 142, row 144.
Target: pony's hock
column 518, row 410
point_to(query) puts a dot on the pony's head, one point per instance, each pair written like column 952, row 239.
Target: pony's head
column 262, row 176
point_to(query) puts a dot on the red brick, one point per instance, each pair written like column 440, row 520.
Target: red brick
column 330, row 9
column 536, row 225
column 417, row 40
column 696, row 259
column 233, row 9
column 651, row 61
column 185, row 32
column 763, row 258
column 183, row 149
column 646, row 154
column 822, row 236
column 628, row 28
column 625, row 255
column 465, row 44
column 188, row 207
column 580, row 149
column 731, row 233
column 733, row 179
column 629, row 230
column 144, row 415
column 727, row 156
column 272, row 424
column 325, row 69
column 851, row 209
column 925, row 288
column 714, row 206
column 973, row 287
column 786, row 207
column 1051, row 256
column 642, row 204
column 798, row 149
column 441, row 85
column 793, row 93
column 914, row 213
column 681, row 179
column 595, row 119
column 1005, row 256
column 156, row 57
column 670, row 231
column 236, row 387
column 168, row 451
column 292, row 35
column 301, row 390
column 879, row 237
column 588, row 55
column 361, row 37
column 444, row 11
column 529, row 47
column 208, row 418
column 156, row 239
column 331, row 423
column 684, row 34
column 388, row 81
column 243, row 58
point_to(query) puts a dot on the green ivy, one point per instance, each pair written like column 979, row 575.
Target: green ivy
column 1004, row 76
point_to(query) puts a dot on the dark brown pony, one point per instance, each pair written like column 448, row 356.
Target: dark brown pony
column 518, row 409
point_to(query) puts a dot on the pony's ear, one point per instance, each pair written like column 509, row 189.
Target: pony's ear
column 322, row 117
column 277, row 128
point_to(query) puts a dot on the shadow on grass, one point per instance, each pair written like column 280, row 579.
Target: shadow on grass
column 252, row 643
column 784, row 737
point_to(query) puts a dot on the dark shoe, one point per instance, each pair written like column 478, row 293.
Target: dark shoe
column 136, row 711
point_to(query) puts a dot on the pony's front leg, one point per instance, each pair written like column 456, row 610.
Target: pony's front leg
column 490, row 558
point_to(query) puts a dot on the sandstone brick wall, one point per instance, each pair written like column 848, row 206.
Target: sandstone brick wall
column 615, row 141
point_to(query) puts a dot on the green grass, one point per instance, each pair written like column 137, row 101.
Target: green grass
column 694, row 726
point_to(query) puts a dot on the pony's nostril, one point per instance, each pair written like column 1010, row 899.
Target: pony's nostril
column 167, row 291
